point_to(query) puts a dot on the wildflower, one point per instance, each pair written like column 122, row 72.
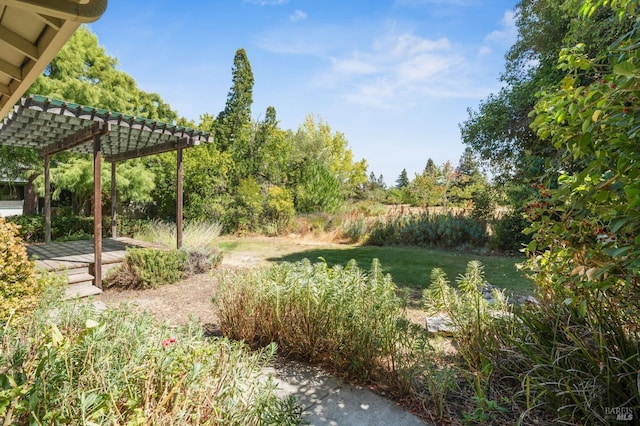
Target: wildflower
column 168, row 342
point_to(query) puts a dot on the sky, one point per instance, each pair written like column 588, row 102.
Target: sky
column 394, row 76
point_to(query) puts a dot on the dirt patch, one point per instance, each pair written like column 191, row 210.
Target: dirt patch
column 175, row 303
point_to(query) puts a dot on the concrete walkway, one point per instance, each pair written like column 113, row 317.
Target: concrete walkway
column 327, row 401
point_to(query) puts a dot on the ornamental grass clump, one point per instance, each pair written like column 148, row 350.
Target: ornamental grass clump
column 343, row 317
column 195, row 235
column 78, row 366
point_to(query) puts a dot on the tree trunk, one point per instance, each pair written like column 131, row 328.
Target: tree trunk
column 30, row 205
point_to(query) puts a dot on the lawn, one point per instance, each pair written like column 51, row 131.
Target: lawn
column 410, row 267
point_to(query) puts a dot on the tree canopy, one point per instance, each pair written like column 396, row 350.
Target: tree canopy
column 499, row 129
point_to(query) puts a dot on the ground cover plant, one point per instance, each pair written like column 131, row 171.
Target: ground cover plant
column 75, row 365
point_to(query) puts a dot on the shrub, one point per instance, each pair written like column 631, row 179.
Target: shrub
column 354, row 228
column 69, row 227
column 472, row 315
column 428, row 230
column 19, row 288
column 484, row 204
column 31, row 227
column 279, row 210
column 320, row 190
column 248, row 206
column 121, row 367
column 201, row 260
column 148, row 268
column 508, row 233
column 345, row 318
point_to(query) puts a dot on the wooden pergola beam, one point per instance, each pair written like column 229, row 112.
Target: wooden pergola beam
column 78, row 138
column 151, row 150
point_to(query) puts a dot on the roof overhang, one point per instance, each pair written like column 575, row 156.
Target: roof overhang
column 50, row 126
column 31, row 34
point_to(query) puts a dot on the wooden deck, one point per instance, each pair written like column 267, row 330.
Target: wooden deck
column 75, row 258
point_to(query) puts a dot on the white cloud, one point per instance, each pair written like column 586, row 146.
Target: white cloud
column 353, row 66
column 298, row 15
column 267, row 2
column 507, row 34
column 418, row 3
column 484, row 50
column 400, row 69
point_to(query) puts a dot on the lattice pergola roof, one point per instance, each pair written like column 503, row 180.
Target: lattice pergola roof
column 51, row 126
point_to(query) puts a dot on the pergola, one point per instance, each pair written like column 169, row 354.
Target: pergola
column 51, row 126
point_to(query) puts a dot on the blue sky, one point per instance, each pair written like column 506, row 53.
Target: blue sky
column 395, row 76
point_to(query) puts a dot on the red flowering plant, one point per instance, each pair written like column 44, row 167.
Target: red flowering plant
column 168, row 342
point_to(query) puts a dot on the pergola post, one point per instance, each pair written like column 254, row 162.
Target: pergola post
column 97, row 212
column 47, row 199
column 179, row 199
column 114, row 204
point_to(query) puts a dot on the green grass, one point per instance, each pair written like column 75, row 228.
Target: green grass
column 410, row 267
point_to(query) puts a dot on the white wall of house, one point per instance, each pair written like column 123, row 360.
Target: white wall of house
column 11, row 208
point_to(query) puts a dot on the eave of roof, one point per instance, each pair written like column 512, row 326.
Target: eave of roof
column 50, row 125
column 31, row 34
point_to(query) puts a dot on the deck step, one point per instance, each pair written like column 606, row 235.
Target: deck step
column 79, row 290
column 80, row 278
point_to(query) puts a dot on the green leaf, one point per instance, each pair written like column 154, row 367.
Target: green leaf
column 615, row 252
column 626, row 69
column 582, row 308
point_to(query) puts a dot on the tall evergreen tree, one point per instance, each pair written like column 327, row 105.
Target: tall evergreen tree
column 403, row 180
column 430, row 169
column 233, row 122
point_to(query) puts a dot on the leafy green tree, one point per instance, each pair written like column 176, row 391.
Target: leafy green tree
column 467, row 180
column 586, row 244
column 499, row 130
column 319, row 190
column 279, row 208
column 373, row 189
column 134, row 182
column 431, row 188
column 208, row 189
column 315, row 147
column 248, row 206
column 270, row 150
